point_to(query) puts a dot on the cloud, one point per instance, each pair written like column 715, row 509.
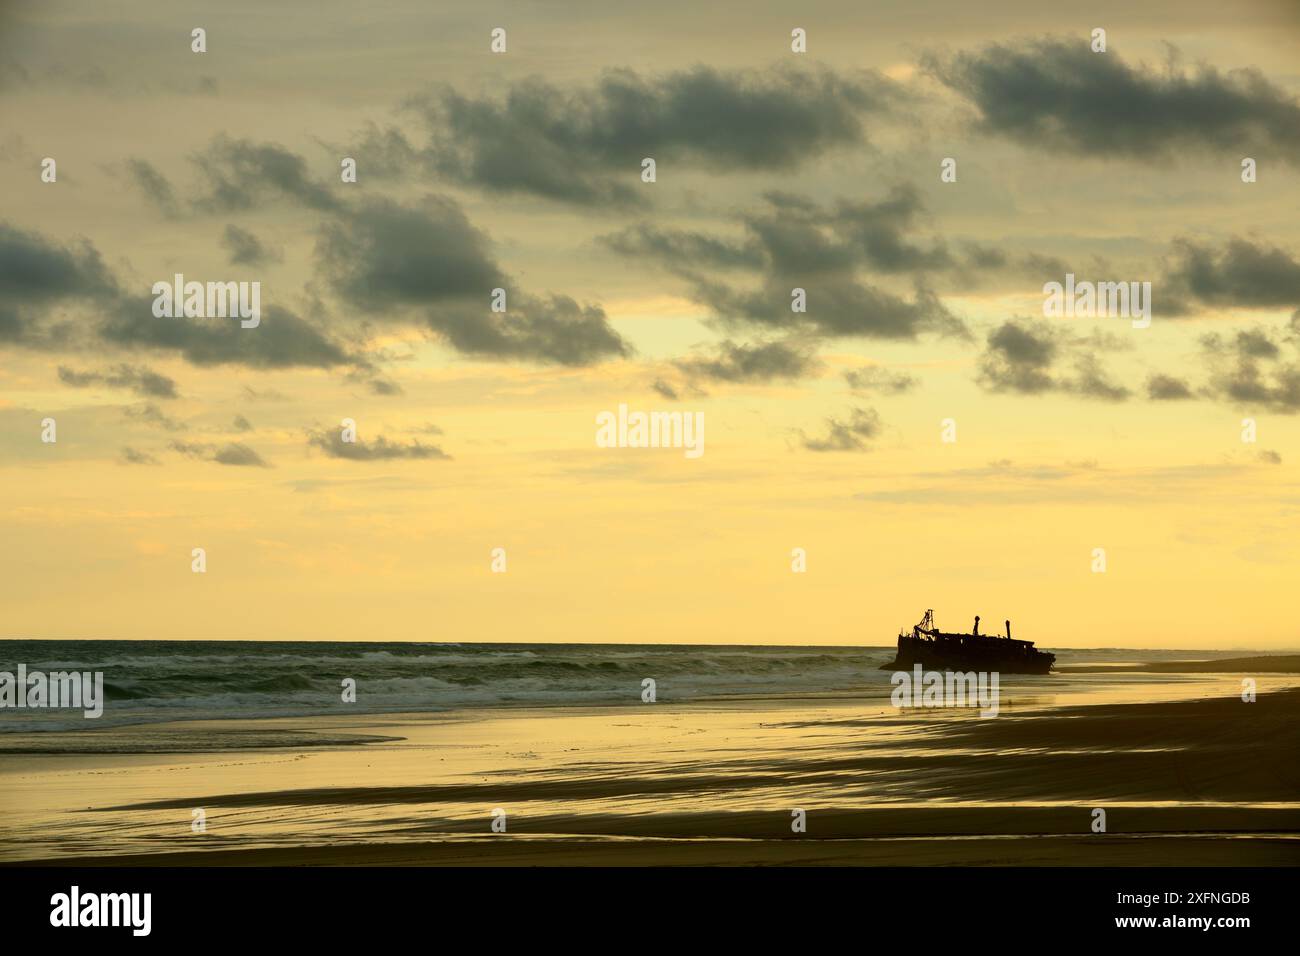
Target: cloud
column 383, row 386
column 1167, row 388
column 282, row 339
column 1257, row 367
column 794, row 243
column 231, row 453
column 585, row 145
column 151, row 414
column 1021, row 356
column 1240, row 274
column 552, row 328
column 40, row 279
column 686, row 250
column 245, row 249
column 383, row 258
column 234, row 453
column 837, row 306
column 235, row 175
column 137, row 378
column 849, row 434
column 763, row 362
column 1091, row 381
column 872, row 234
column 153, row 185
column 422, row 264
column 1057, row 94
column 666, row 390
column 332, row 443
column 879, row 380
column 381, row 255
column 797, row 237
column 37, row 274
column 240, row 174
column 263, row 395
column 131, row 456
column 241, row 424
column 387, row 153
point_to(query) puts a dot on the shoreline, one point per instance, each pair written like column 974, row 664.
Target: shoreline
column 1191, row 782
column 1181, row 850
column 115, row 737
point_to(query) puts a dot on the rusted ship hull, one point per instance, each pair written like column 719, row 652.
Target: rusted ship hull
column 938, row 650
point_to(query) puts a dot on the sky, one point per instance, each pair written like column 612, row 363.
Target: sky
column 924, row 434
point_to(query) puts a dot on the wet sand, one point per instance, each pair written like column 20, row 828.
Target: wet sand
column 1246, row 666
column 1212, row 781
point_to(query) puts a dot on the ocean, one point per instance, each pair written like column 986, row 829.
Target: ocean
column 154, row 681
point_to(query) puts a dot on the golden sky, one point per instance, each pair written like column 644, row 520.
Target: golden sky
column 522, row 170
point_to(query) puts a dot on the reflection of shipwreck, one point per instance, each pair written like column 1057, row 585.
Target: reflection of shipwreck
column 934, row 649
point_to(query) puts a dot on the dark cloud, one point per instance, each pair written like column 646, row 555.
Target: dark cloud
column 132, row 456
column 552, row 328
column 151, row 414
column 977, row 262
column 849, row 434
column 241, row 424
column 1023, row 356
column 586, row 145
column 686, row 250
column 236, row 175
column 240, row 174
column 1240, row 274
column 667, row 391
column 1018, row 358
column 37, row 274
column 383, row 153
column 875, row 232
column 234, row 453
column 231, row 453
column 879, row 380
column 380, row 255
column 245, row 249
column 837, row 306
column 383, row 386
column 1258, row 368
column 763, row 362
column 1091, row 381
column 793, row 236
column 382, row 258
column 153, row 185
column 282, row 339
column 1167, row 388
column 1055, row 93
column 137, row 378
column 40, row 277
column 795, row 243
column 332, row 443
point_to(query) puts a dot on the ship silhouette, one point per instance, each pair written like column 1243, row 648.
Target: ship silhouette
column 934, row 649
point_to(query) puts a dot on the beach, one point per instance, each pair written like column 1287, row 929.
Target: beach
column 1185, row 771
